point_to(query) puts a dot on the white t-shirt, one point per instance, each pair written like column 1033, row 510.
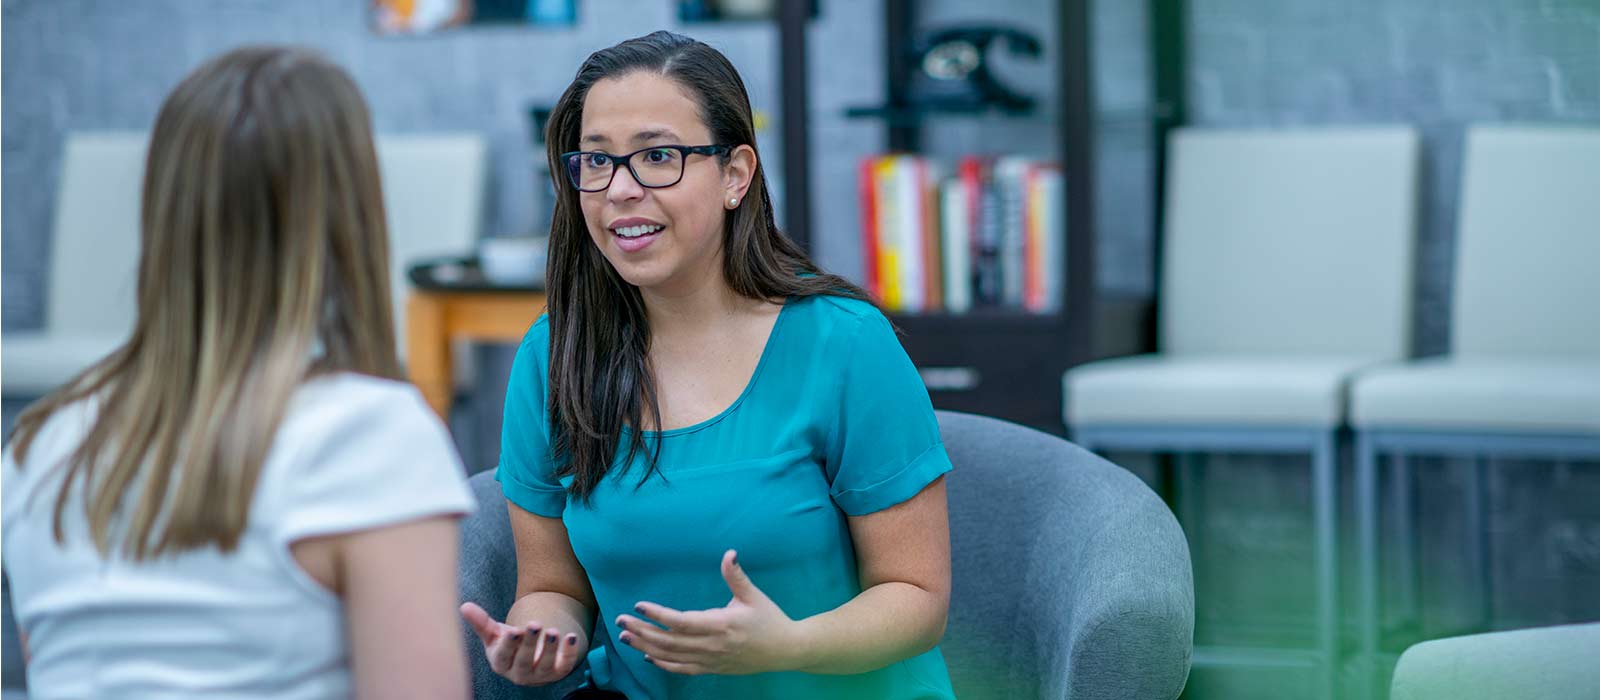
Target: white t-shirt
column 353, row 452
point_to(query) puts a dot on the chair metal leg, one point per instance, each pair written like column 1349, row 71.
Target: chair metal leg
column 1188, row 468
column 1367, row 564
column 1188, row 448
column 1480, row 519
column 1403, row 489
column 1324, row 495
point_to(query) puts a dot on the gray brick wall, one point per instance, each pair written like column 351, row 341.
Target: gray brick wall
column 99, row 64
column 103, row 64
column 1441, row 65
column 1438, row 64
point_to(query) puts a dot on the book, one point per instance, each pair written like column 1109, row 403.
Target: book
column 865, row 185
column 955, row 228
column 986, row 233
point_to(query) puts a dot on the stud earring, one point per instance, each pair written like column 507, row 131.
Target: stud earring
column 733, row 201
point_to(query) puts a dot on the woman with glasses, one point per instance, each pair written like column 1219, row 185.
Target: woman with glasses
column 719, row 461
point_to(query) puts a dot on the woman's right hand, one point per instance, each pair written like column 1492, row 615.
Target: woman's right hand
column 530, row 655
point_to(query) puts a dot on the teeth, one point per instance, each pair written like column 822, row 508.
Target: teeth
column 636, row 231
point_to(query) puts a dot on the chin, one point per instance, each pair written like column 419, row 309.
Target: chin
column 642, row 276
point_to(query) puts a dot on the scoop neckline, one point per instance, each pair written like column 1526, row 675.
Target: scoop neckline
column 761, row 365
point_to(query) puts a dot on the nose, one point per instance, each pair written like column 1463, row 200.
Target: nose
column 623, row 185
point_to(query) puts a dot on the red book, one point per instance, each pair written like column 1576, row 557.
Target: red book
column 869, row 227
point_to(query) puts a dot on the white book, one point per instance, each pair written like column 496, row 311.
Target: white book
column 1053, row 227
column 1010, row 180
column 908, row 229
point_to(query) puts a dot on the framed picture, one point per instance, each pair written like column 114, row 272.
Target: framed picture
column 403, row 17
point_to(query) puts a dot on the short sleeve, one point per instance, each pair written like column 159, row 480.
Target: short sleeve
column 375, row 455
column 527, row 470
column 884, row 447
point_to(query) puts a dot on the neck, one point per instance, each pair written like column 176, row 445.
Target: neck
column 702, row 305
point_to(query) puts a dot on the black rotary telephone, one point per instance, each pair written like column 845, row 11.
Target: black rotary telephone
column 951, row 69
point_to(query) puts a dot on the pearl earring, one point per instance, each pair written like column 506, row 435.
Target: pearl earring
column 733, row 201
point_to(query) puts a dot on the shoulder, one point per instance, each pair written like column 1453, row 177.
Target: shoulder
column 347, row 406
column 538, row 334
column 838, row 316
column 57, row 438
column 531, row 366
column 356, row 452
column 534, row 350
column 353, row 395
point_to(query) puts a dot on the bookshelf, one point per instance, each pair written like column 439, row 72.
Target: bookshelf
column 997, row 361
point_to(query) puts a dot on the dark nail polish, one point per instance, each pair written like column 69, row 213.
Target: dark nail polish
column 639, row 609
column 627, row 640
column 572, row 640
column 652, row 661
column 552, row 637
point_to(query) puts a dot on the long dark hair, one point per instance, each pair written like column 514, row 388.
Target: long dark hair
column 600, row 377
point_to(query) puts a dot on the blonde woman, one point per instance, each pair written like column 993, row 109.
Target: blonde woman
column 243, row 501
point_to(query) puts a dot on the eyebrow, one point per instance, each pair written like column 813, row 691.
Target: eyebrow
column 646, row 135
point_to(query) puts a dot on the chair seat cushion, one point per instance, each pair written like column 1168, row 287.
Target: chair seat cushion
column 1551, row 663
column 1512, row 395
column 34, row 364
column 1233, row 390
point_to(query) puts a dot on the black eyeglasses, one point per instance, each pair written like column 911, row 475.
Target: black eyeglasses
column 654, row 167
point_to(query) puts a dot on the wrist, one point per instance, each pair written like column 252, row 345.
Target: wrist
column 801, row 645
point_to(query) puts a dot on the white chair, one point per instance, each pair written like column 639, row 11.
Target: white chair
column 94, row 259
column 1523, row 375
column 433, row 184
column 1288, row 267
column 434, row 187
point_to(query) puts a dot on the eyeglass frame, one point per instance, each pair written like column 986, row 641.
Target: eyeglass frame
column 626, row 159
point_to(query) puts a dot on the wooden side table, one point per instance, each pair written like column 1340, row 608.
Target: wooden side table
column 434, row 317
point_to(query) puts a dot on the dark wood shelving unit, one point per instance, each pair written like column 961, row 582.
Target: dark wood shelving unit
column 1001, row 362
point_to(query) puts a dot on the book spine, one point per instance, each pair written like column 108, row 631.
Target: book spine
column 955, row 229
column 869, row 227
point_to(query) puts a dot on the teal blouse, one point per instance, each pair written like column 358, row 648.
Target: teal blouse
column 835, row 421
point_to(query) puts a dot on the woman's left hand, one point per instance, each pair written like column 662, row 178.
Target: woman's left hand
column 749, row 635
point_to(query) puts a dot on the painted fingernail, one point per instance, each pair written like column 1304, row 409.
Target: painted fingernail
column 572, row 640
column 652, row 661
column 553, row 636
column 626, row 640
column 639, row 608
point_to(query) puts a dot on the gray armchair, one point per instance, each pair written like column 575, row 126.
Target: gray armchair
column 1072, row 581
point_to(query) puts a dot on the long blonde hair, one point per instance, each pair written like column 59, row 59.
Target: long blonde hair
column 264, row 262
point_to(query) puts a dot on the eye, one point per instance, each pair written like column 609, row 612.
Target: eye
column 659, row 155
column 596, row 160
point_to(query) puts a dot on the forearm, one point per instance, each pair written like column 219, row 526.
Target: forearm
column 552, row 610
column 887, row 623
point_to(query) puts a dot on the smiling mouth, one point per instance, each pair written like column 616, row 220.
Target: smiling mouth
column 637, row 231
